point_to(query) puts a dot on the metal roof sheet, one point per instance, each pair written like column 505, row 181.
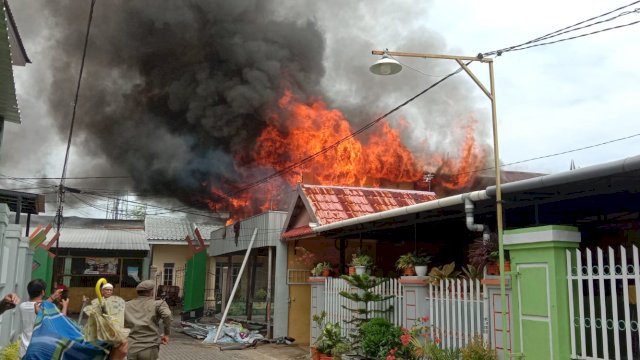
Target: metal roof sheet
column 9, row 110
column 164, row 229
column 334, row 203
column 103, row 239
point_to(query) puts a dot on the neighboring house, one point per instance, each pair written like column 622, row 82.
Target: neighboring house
column 14, row 250
column 591, row 208
column 12, row 52
column 169, row 248
column 268, row 255
column 84, row 255
column 315, row 206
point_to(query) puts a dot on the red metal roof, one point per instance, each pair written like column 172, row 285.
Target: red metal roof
column 333, row 203
column 299, row 231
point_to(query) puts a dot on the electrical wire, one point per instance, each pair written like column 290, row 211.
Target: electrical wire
column 564, row 30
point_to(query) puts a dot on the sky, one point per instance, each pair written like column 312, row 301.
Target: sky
column 550, row 99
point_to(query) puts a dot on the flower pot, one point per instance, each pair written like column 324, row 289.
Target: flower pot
column 326, row 357
column 410, row 271
column 421, row 270
column 326, row 272
column 314, row 353
column 360, row 270
column 493, row 268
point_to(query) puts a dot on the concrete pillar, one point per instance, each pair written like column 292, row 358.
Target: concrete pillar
column 281, row 293
column 317, row 303
column 540, row 292
column 414, row 292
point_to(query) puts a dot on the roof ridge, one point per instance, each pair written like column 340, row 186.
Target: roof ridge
column 367, row 188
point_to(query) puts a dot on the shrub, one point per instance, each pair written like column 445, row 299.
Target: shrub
column 378, row 337
column 478, row 350
column 436, row 353
column 260, row 295
column 10, row 352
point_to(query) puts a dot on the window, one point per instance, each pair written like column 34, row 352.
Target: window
column 167, row 274
column 234, row 274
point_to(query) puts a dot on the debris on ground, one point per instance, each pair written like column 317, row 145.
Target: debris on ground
column 233, row 333
column 197, row 331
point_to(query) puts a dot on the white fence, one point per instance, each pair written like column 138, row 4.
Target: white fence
column 16, row 260
column 335, row 303
column 603, row 293
column 457, row 309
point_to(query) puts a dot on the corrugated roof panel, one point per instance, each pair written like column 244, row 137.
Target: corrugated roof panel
column 333, row 203
column 103, row 239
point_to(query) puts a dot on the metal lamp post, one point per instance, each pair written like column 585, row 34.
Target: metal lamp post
column 389, row 66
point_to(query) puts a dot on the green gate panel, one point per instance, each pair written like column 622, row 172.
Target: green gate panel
column 536, row 342
column 42, row 267
column 195, row 281
column 534, row 299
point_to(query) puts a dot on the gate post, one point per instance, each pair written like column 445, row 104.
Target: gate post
column 317, row 303
column 540, row 292
column 414, row 293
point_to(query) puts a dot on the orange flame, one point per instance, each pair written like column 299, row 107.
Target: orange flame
column 298, row 130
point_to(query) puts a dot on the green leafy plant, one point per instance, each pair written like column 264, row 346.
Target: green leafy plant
column 443, row 272
column 10, row 352
column 320, row 267
column 330, row 340
column 379, row 337
column 472, row 273
column 260, row 295
column 361, row 259
column 405, row 261
column 436, row 353
column 478, row 349
column 422, row 259
column 364, row 298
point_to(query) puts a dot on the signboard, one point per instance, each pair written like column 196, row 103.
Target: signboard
column 101, row 266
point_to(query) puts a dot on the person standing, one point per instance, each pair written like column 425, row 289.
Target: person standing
column 143, row 315
column 28, row 309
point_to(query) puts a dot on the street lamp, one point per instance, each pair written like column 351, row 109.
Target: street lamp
column 387, row 65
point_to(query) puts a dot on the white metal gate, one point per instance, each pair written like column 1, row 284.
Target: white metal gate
column 335, row 303
column 603, row 305
column 458, row 309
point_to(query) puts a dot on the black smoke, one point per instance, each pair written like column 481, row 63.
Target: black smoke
column 174, row 92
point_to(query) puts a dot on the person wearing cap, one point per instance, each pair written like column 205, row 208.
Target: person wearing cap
column 143, row 315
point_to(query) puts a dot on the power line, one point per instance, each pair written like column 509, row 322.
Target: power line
column 565, row 30
column 61, row 188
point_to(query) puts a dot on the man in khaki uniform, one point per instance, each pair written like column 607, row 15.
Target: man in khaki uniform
column 142, row 315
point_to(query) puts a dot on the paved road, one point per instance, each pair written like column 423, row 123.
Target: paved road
column 182, row 347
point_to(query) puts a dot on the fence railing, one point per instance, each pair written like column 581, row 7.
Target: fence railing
column 457, row 308
column 335, row 303
column 603, row 307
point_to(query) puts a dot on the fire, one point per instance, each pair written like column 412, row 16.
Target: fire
column 300, row 130
column 297, row 130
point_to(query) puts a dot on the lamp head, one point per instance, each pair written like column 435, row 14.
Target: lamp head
column 385, row 66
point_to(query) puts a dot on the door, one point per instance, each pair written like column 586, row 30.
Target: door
column 534, row 310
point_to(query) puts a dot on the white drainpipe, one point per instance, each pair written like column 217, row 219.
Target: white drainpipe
column 472, row 226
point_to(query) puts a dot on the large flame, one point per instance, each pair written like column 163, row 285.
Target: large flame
column 299, row 130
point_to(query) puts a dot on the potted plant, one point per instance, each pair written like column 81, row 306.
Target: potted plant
column 420, row 263
column 484, row 253
column 406, row 264
column 443, row 272
column 321, row 269
column 361, row 262
column 329, row 344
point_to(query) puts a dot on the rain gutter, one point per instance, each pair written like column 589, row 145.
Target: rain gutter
column 411, row 209
column 587, row 173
